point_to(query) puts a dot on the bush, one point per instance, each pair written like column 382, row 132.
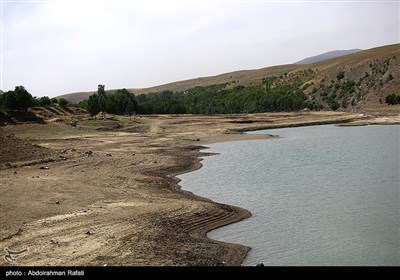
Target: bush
column 392, row 99
column 334, row 105
column 340, row 75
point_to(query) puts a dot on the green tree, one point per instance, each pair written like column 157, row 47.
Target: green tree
column 94, row 105
column 131, row 108
column 130, row 102
column 9, row 100
column 1, row 99
column 18, row 99
column 54, row 101
column 82, row 104
column 102, row 98
column 63, row 103
column 44, row 101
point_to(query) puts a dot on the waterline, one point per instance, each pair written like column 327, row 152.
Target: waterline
column 320, row 195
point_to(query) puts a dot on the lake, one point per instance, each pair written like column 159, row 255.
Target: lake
column 319, row 195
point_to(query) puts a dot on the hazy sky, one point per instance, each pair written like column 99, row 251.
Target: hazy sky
column 55, row 47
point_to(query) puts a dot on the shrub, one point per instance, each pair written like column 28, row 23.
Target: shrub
column 392, row 99
column 340, row 75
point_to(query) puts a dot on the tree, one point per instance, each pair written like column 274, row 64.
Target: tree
column 130, row 103
column 63, row 103
column 54, row 101
column 1, row 99
column 9, row 100
column 102, row 98
column 131, row 108
column 82, row 104
column 267, row 83
column 18, row 99
column 94, row 105
column 44, row 101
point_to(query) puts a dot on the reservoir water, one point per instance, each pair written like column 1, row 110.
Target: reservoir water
column 319, row 195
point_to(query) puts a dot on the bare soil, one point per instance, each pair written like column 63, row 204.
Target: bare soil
column 110, row 196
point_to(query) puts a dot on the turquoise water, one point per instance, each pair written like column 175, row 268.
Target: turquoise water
column 320, row 195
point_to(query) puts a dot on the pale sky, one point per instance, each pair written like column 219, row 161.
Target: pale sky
column 55, row 47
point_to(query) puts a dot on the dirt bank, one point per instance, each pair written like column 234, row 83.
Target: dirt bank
column 110, row 197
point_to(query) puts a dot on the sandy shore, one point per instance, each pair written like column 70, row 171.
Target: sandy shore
column 109, row 196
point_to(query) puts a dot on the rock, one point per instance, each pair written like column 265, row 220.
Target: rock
column 108, row 155
column 260, row 264
column 88, row 153
column 15, row 172
column 44, row 167
column 57, row 202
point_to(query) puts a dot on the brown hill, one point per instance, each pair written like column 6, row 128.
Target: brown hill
column 75, row 97
column 375, row 73
column 242, row 77
column 361, row 80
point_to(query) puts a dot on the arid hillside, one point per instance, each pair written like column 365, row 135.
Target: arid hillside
column 355, row 81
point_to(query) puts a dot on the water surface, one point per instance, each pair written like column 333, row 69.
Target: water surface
column 320, row 195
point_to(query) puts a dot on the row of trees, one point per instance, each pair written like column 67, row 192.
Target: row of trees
column 214, row 99
column 218, row 99
column 120, row 102
column 21, row 99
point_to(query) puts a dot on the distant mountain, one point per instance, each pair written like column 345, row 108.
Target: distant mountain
column 326, row 56
column 1, row 92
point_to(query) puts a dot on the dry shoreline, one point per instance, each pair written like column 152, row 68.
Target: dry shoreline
column 122, row 205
